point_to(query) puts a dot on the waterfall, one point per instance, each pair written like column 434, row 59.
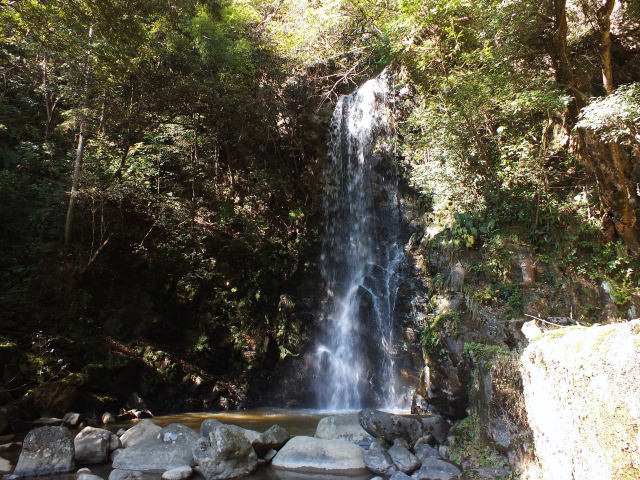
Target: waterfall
column 354, row 364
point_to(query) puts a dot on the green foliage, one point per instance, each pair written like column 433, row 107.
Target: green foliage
column 616, row 117
column 622, row 293
column 468, row 443
column 438, row 327
column 482, row 351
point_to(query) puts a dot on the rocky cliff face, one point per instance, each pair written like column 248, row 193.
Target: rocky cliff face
column 582, row 395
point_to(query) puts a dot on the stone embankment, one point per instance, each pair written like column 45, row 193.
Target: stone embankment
column 370, row 443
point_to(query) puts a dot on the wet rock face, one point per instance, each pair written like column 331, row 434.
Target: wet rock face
column 582, row 396
column 45, row 451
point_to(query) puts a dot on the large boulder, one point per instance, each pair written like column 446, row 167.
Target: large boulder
column 400, row 476
column 423, row 450
column 211, row 424
column 388, row 427
column 378, row 460
column 178, row 433
column 154, row 457
column 179, row 473
column 317, row 455
column 143, row 431
column 92, row 445
column 45, row 451
column 406, row 461
column 72, row 420
column 271, row 439
column 437, row 426
column 582, row 396
column 224, row 453
column 436, row 469
column 125, row 475
column 345, row 427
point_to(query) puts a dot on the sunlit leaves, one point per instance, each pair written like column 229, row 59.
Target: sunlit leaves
column 616, row 117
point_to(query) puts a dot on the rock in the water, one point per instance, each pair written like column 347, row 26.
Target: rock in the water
column 5, row 465
column 47, row 422
column 271, row 439
column 406, row 461
column 377, row 460
column 423, row 450
column 156, row 457
column 437, row 426
column 125, row 475
column 400, row 476
column 71, row 419
column 179, row 473
column 582, row 396
column 317, row 455
column 345, row 427
column 92, row 445
column 224, row 453
column 143, row 431
column 114, row 442
column 108, row 418
column 88, row 476
column 388, row 427
column 269, row 455
column 178, row 433
column 436, row 469
column 46, row 450
column 211, row 424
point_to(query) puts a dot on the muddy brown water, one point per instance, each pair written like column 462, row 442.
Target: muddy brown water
column 297, row 422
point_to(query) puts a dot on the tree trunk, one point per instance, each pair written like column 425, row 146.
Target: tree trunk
column 613, row 188
column 46, row 97
column 605, row 160
column 604, row 25
column 77, row 166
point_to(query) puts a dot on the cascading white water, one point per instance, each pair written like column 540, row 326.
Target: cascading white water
column 361, row 254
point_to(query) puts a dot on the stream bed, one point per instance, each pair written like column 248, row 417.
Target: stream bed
column 297, row 422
